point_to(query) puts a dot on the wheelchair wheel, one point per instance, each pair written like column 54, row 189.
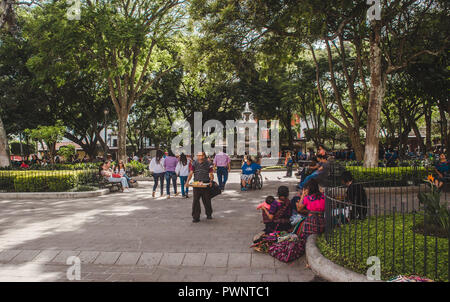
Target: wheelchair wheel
column 258, row 182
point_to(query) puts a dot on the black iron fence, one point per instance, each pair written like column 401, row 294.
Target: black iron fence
column 394, row 213
column 47, row 180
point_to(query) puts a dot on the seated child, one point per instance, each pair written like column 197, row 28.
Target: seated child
column 272, row 205
column 266, row 203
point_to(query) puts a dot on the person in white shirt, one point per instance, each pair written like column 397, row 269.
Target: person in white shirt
column 157, row 167
column 182, row 170
column 135, row 157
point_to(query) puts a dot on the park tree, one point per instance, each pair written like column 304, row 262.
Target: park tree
column 362, row 53
column 48, row 136
column 68, row 152
column 132, row 43
column 8, row 25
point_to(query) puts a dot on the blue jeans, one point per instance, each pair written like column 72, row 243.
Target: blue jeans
column 128, row 179
column 156, row 177
column 184, row 189
column 222, row 176
column 122, row 180
column 171, row 175
column 305, row 181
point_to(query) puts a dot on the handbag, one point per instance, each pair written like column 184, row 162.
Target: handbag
column 116, row 175
column 214, row 190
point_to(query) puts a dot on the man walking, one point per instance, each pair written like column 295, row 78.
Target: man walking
column 202, row 171
column 222, row 164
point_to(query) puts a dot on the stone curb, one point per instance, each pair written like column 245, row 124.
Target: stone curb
column 327, row 269
column 53, row 195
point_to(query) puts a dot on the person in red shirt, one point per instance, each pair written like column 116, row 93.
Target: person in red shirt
column 24, row 165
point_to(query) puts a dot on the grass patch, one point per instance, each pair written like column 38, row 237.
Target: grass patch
column 399, row 254
column 386, row 175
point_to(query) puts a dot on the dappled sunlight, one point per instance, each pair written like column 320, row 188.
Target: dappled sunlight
column 23, row 231
column 27, row 272
column 133, row 221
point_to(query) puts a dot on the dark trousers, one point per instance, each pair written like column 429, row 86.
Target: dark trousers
column 222, row 176
column 206, row 199
column 160, row 177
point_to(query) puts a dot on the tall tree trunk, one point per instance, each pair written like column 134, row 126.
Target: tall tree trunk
column 428, row 126
column 4, row 147
column 356, row 144
column 377, row 92
column 122, row 135
column 419, row 137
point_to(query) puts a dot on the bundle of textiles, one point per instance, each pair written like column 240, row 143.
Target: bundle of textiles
column 289, row 237
column 409, row 278
column 265, row 241
column 288, row 248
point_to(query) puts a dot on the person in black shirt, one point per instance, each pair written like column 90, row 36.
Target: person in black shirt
column 356, row 195
column 202, row 171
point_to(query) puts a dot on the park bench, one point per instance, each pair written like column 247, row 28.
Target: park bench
column 103, row 183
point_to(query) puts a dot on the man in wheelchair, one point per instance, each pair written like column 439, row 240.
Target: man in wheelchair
column 251, row 175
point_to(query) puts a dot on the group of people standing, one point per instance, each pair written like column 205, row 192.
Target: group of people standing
column 168, row 167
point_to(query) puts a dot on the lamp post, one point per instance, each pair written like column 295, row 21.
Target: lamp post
column 106, row 112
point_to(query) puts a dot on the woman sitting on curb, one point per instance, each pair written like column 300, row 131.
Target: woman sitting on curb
column 279, row 214
column 107, row 173
column 313, row 201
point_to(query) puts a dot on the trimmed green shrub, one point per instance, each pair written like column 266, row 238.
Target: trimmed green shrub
column 388, row 176
column 45, row 181
column 136, row 167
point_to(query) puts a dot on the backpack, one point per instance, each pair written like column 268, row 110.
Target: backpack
column 287, row 251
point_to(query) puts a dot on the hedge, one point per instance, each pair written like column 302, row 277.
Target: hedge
column 389, row 267
column 388, row 175
column 60, row 167
column 45, row 181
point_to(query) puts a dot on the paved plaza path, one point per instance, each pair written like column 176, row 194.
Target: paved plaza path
column 134, row 237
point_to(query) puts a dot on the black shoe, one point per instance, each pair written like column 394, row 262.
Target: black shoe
column 195, row 220
column 209, row 217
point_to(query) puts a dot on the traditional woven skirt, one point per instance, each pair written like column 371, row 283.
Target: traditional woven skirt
column 313, row 224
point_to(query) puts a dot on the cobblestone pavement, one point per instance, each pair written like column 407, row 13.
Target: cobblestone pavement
column 134, row 237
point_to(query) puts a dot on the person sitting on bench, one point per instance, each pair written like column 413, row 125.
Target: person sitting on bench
column 107, row 173
column 321, row 172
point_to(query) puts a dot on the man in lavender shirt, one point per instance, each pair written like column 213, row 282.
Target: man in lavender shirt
column 170, row 163
column 222, row 166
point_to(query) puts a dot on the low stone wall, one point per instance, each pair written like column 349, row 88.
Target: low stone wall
column 327, row 269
